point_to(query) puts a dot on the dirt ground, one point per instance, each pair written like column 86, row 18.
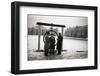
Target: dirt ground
column 33, row 55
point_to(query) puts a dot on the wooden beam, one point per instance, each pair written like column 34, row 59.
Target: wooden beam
column 48, row 24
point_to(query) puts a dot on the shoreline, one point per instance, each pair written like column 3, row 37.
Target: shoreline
column 75, row 38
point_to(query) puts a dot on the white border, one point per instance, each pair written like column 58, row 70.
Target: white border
column 26, row 65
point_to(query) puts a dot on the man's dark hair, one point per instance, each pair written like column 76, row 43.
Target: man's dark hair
column 47, row 32
column 59, row 34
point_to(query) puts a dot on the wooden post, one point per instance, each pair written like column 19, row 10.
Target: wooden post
column 39, row 31
column 62, row 36
column 62, row 31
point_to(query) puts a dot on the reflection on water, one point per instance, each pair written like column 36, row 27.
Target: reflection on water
column 68, row 44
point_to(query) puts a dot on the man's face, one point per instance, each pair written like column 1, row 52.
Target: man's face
column 51, row 35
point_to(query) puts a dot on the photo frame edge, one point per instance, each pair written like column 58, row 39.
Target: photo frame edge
column 15, row 34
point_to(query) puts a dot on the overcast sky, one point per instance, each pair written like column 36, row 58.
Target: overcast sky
column 68, row 21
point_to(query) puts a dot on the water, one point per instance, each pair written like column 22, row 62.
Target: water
column 68, row 44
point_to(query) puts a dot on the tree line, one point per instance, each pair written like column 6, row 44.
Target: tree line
column 35, row 30
column 77, row 31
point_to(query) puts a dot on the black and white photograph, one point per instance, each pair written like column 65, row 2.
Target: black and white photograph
column 52, row 37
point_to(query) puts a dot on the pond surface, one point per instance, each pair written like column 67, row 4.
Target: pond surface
column 68, row 43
